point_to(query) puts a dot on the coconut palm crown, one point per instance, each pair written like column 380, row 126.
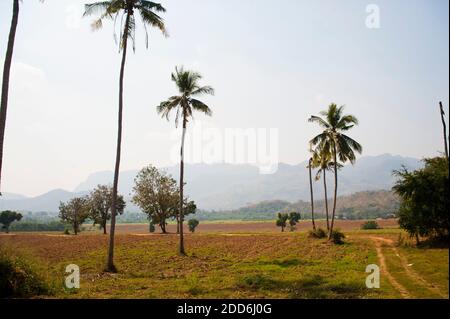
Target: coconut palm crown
column 116, row 10
column 335, row 123
column 185, row 103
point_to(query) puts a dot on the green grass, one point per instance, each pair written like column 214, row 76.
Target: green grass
column 429, row 264
column 315, row 269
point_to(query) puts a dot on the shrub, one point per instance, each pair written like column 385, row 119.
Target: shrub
column 317, row 233
column 337, row 237
column 19, row 278
column 371, row 224
column 151, row 228
column 193, row 223
column 66, row 231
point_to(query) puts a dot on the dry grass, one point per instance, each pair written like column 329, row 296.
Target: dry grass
column 235, row 264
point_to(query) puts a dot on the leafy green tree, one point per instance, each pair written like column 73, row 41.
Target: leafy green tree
column 282, row 220
column 100, row 201
column 193, row 223
column 293, row 219
column 6, row 76
column 185, row 104
column 7, row 217
column 336, row 143
column 156, row 194
column 117, row 10
column 74, row 212
column 424, row 199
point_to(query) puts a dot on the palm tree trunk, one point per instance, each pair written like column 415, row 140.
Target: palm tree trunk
column 312, row 195
column 110, row 264
column 326, row 197
column 5, row 83
column 335, row 191
column 181, row 247
column 445, row 129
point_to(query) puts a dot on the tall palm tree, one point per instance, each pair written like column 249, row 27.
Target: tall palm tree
column 334, row 141
column 113, row 9
column 310, row 167
column 184, row 104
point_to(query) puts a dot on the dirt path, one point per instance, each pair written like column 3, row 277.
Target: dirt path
column 405, row 265
column 378, row 242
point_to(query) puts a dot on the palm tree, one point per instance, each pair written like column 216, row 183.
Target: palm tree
column 184, row 104
column 310, row 166
column 336, row 143
column 5, row 82
column 112, row 9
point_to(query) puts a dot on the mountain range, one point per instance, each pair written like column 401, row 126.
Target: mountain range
column 230, row 186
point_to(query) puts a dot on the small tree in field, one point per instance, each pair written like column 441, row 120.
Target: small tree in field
column 293, row 218
column 155, row 193
column 74, row 212
column 100, row 202
column 282, row 220
column 7, row 217
column 193, row 223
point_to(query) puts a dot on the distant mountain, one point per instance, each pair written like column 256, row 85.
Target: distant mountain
column 12, row 196
column 361, row 205
column 227, row 187
column 48, row 202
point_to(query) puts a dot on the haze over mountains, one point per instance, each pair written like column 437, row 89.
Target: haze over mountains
column 226, row 186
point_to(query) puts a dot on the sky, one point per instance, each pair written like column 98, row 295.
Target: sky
column 272, row 64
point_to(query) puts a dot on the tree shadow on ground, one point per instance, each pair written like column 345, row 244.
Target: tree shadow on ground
column 313, row 287
column 284, row 263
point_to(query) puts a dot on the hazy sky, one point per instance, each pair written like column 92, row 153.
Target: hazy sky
column 272, row 63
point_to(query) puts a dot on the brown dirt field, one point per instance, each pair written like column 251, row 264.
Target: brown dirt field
column 54, row 249
column 253, row 227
